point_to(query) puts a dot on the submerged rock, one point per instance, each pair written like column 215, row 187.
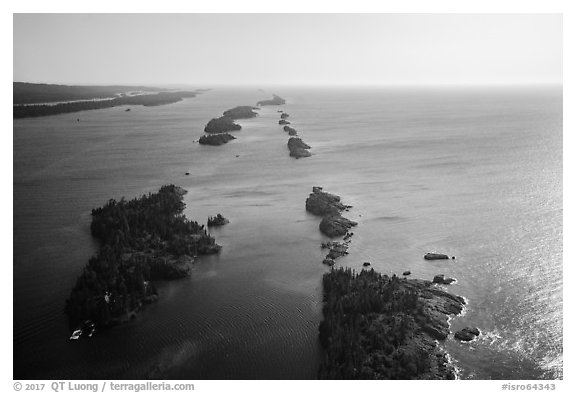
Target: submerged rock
column 467, row 334
column 433, row 256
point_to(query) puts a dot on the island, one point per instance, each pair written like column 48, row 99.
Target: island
column 291, row 131
column 216, row 139
column 226, row 123
column 284, row 115
column 217, row 221
column 381, row 327
column 321, row 203
column 241, row 112
column 221, row 125
column 298, row 148
column 141, row 240
column 276, row 100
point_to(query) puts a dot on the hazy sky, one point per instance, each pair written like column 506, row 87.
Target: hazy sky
column 262, row 49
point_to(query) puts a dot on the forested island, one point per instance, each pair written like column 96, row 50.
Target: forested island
column 216, row 139
column 153, row 99
column 225, row 123
column 142, row 240
column 381, row 327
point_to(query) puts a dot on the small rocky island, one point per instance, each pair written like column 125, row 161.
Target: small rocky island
column 298, row 148
column 216, row 139
column 328, row 206
column 217, row 221
column 381, row 327
column 276, row 100
column 291, row 131
column 142, row 240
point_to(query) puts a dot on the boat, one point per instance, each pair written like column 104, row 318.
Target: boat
column 87, row 329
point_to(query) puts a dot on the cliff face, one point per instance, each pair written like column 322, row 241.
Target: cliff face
column 380, row 327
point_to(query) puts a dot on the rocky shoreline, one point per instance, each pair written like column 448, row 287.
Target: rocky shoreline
column 381, row 327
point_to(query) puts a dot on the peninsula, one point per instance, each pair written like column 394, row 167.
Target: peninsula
column 42, row 100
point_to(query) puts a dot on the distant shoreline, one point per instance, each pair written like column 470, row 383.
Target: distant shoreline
column 36, row 100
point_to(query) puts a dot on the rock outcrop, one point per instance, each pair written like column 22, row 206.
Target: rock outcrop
column 336, row 249
column 218, row 220
column 440, row 279
column 322, row 203
column 215, row 139
column 284, row 115
column 282, row 121
column 298, row 148
column 467, row 334
column 291, row 131
column 329, row 207
column 336, row 225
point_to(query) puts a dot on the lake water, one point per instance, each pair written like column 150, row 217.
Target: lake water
column 471, row 173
